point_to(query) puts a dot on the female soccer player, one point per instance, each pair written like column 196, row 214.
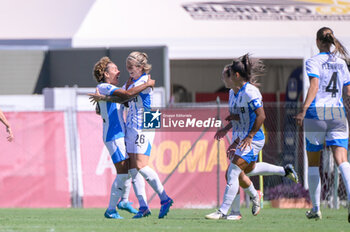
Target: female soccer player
column 246, row 103
column 7, row 125
column 139, row 141
column 254, row 169
column 106, row 74
column 323, row 113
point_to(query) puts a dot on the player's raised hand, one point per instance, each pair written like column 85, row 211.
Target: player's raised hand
column 150, row 82
column 96, row 97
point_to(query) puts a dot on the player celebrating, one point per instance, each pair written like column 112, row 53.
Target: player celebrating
column 246, row 103
column 106, row 74
column 138, row 141
column 261, row 168
column 324, row 114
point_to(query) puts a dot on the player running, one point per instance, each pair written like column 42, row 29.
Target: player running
column 260, row 168
column 246, row 103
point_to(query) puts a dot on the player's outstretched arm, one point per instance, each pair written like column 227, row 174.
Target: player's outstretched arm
column 130, row 93
column 223, row 131
column 121, row 95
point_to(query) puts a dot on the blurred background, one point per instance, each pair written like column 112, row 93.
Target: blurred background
column 47, row 52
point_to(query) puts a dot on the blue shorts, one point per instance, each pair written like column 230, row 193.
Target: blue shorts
column 251, row 154
column 117, row 150
column 333, row 132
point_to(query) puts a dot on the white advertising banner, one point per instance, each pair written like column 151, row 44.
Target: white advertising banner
column 197, row 29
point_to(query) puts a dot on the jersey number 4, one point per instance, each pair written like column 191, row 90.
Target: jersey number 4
column 332, row 85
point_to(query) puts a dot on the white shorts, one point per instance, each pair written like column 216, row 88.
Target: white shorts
column 139, row 141
column 334, row 132
column 251, row 154
column 117, row 150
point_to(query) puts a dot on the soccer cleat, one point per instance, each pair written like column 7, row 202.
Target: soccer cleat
column 256, row 203
column 349, row 212
column 291, row 173
column 313, row 215
column 112, row 214
column 216, row 215
column 165, row 206
column 234, row 217
column 143, row 212
column 127, row 207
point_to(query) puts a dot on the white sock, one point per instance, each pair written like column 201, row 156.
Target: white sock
column 126, row 192
column 266, row 169
column 116, row 190
column 152, row 178
column 231, row 187
column 251, row 191
column 236, row 205
column 344, row 169
column 314, row 187
column 139, row 187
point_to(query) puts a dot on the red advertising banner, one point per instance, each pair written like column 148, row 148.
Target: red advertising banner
column 191, row 183
column 194, row 181
column 98, row 171
column 34, row 166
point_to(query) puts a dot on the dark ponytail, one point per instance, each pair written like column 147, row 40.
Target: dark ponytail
column 249, row 69
column 326, row 36
column 247, row 64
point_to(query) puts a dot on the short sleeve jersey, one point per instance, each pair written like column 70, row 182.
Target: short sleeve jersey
column 333, row 75
column 139, row 104
column 112, row 115
column 244, row 103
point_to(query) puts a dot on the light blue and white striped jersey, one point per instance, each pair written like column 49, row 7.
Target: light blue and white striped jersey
column 244, row 103
column 112, row 115
column 139, row 104
column 333, row 75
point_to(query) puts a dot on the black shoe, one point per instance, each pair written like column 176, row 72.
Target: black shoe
column 291, row 173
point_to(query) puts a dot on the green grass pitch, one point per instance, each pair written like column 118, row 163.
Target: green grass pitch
column 85, row 220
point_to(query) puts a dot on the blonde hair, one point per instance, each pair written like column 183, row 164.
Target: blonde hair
column 140, row 59
column 100, row 68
